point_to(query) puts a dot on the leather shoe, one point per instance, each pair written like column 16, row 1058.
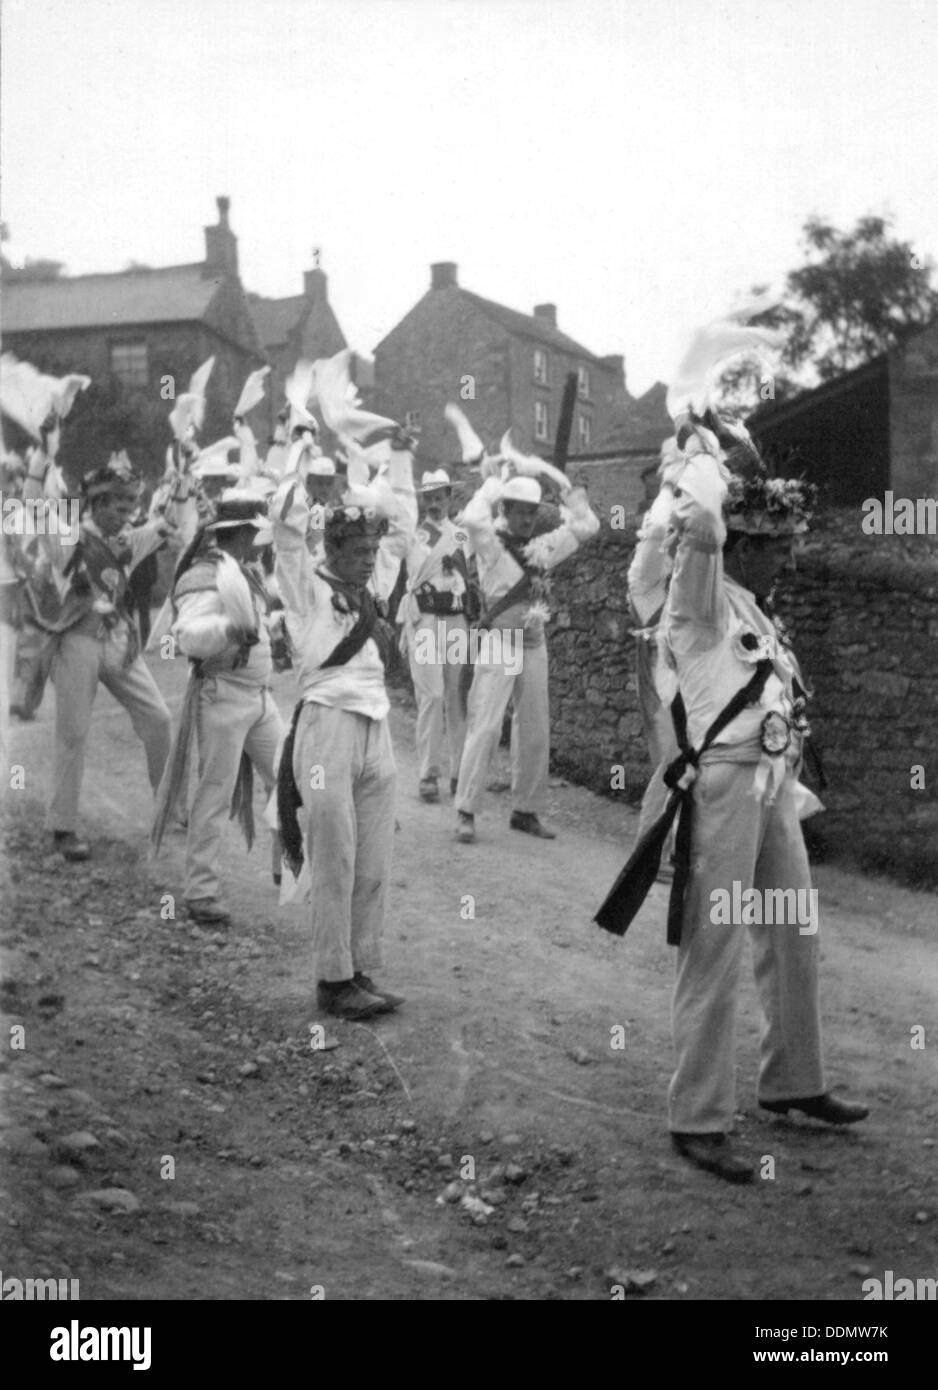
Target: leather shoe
column 826, row 1107
column 67, row 843
column 208, row 912
column 715, row 1154
column 391, row 1001
column 344, row 999
column 465, row 827
column 529, row 823
column 429, row 789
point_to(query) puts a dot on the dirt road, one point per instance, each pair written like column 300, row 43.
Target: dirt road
column 503, row 1136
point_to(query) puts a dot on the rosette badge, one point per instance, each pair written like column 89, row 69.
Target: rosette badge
column 776, row 733
column 754, row 646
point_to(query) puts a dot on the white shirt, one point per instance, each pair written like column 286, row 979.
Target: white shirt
column 706, row 616
column 314, row 623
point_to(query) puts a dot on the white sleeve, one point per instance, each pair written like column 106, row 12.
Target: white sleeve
column 479, row 521
column 201, row 628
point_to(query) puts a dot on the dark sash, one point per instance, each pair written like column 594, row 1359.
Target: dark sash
column 632, row 886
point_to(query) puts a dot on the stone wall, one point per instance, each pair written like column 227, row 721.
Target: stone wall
column 865, row 627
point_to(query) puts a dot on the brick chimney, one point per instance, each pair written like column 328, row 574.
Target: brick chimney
column 221, row 244
column 547, row 312
column 315, row 285
column 443, row 275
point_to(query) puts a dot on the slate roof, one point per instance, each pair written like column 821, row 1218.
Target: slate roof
column 530, row 326
column 172, row 294
column 275, row 319
column 644, row 423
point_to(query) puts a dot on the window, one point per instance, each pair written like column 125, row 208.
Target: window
column 412, row 420
column 584, row 431
column 540, row 366
column 129, row 363
column 541, row 423
column 583, row 383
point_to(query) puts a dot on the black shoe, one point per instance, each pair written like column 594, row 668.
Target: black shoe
column 529, row 823
column 465, row 827
column 67, row 843
column 208, row 912
column 344, row 999
column 715, row 1154
column 826, row 1107
column 391, row 1001
column 429, row 789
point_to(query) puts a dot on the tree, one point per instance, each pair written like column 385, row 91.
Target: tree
column 855, row 297
column 108, row 417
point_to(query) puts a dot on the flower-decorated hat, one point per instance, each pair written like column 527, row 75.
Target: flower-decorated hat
column 360, row 513
column 116, row 479
column 756, row 501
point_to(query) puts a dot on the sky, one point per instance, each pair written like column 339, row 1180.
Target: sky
column 637, row 162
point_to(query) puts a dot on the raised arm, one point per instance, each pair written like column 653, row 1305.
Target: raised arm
column 697, row 613
column 578, row 524
column 402, row 508
column 293, row 566
column 478, row 519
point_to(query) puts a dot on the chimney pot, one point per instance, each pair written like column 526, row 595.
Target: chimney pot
column 224, row 207
column 443, row 275
column 547, row 312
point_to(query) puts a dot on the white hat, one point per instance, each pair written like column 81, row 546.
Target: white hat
column 320, row 467
column 431, row 482
column 520, row 489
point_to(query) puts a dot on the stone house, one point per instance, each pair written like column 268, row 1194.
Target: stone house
column 140, row 326
column 504, row 368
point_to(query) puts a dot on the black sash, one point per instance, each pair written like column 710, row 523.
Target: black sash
column 634, row 882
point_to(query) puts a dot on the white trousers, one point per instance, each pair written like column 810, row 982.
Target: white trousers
column 79, row 663
column 231, row 719
column 492, row 687
column 436, row 686
column 736, row 838
column 344, row 768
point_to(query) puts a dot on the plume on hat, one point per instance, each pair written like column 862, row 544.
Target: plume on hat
column 713, row 347
column 530, row 466
column 340, row 406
